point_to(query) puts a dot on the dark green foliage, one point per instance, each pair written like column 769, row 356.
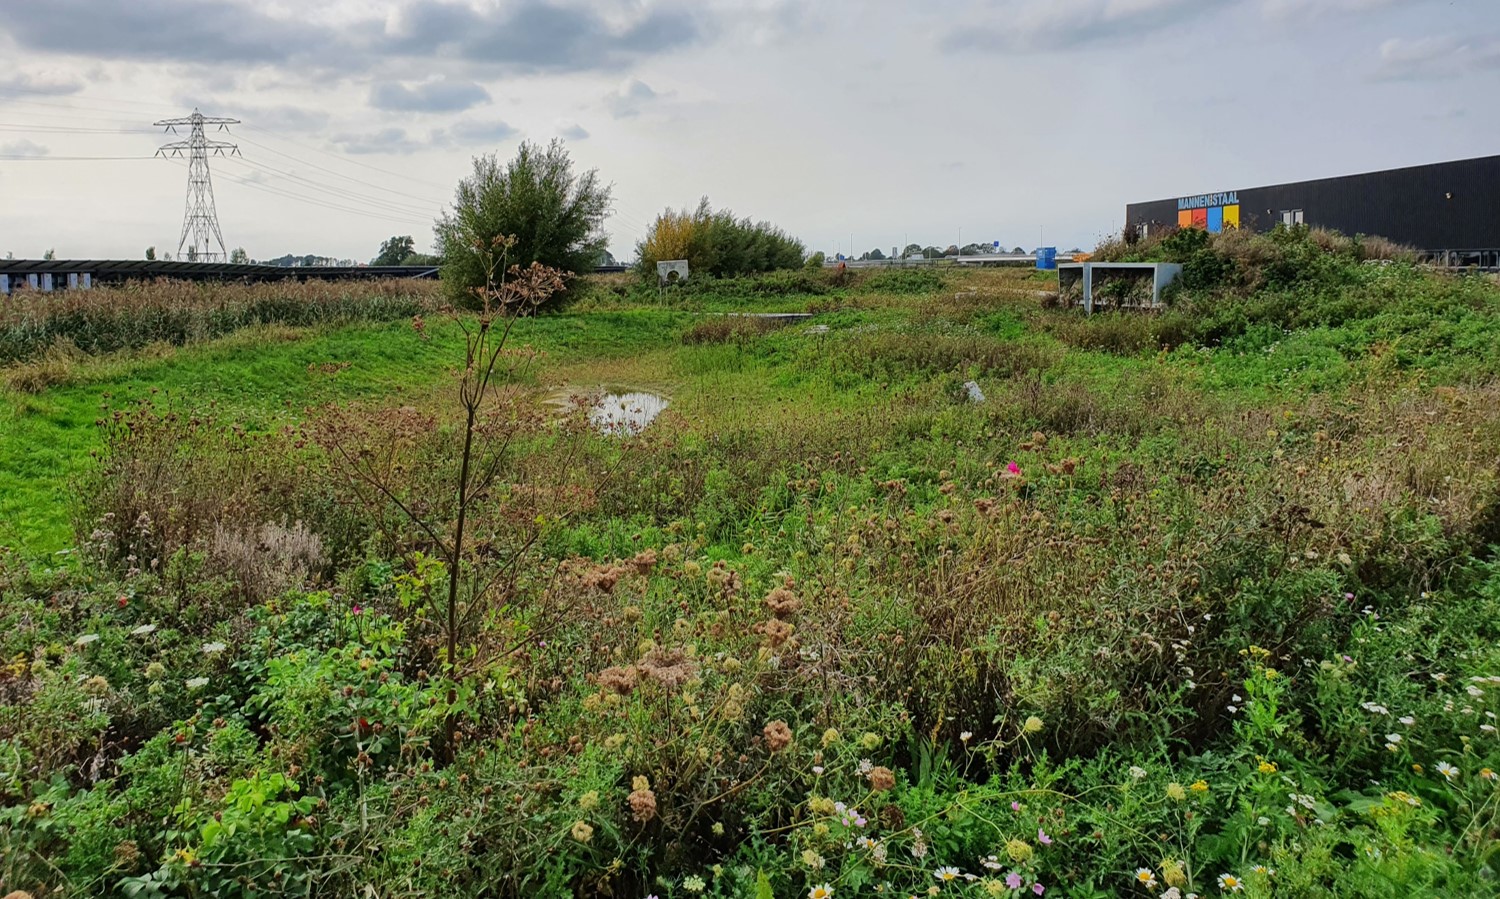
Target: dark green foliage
column 717, row 244
column 555, row 214
column 904, row 281
column 394, row 250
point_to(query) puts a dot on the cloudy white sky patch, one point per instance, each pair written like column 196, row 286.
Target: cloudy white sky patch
column 851, row 124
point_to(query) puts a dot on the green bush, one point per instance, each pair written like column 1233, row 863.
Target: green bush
column 555, row 215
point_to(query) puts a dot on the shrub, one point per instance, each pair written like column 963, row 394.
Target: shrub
column 730, row 328
column 555, row 215
column 716, row 244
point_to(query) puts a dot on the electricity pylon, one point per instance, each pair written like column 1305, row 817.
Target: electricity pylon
column 201, row 220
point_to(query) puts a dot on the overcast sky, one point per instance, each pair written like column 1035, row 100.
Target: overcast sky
column 863, row 123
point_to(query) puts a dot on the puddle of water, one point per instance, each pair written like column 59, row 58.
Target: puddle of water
column 627, row 413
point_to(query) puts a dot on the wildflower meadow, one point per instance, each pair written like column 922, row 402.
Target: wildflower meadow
column 1201, row 602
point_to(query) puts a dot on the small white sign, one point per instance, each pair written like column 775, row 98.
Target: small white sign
column 670, row 271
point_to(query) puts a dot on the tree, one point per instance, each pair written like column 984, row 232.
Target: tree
column 1018, row 251
column 816, row 260
column 238, row 256
column 912, row 249
column 875, row 254
column 931, row 253
column 555, row 215
column 50, row 254
column 151, row 254
column 394, row 250
column 717, row 243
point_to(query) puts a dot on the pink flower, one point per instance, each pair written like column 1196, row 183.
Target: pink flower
column 1013, row 880
column 1015, row 806
column 1041, row 837
column 1038, row 889
column 1013, row 470
column 357, row 609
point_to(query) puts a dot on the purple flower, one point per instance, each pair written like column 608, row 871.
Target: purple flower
column 1015, row 806
column 1041, row 837
column 1038, row 889
column 1013, row 880
column 358, row 609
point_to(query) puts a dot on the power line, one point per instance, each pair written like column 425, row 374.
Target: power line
column 339, row 193
column 64, row 129
column 70, row 158
column 349, row 161
column 329, row 171
column 278, row 192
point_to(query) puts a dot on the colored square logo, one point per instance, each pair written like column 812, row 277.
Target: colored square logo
column 1200, row 218
column 1216, row 220
column 1185, row 218
column 1231, row 217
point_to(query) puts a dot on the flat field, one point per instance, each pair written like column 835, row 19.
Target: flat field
column 1201, row 600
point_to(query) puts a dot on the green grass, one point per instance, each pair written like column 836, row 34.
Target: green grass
column 259, row 378
column 1175, row 568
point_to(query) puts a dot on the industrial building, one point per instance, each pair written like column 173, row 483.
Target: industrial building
column 1449, row 211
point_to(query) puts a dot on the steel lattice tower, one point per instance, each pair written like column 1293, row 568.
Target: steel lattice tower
column 201, row 220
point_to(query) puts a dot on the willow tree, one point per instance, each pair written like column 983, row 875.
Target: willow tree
column 554, row 216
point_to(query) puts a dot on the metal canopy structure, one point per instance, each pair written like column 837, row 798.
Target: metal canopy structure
column 115, row 271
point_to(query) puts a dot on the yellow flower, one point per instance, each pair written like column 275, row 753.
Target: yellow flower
column 1267, row 767
column 1175, row 792
column 830, row 736
column 821, row 805
column 870, row 741
column 1199, row 786
column 1032, row 725
column 1173, row 873
column 812, row 859
column 640, row 782
column 1018, row 850
column 582, row 832
column 589, row 801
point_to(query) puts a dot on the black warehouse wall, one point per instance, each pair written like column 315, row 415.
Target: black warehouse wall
column 1444, row 206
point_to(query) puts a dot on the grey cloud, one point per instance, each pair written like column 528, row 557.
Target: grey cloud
column 524, row 35
column 1025, row 26
column 470, row 133
column 1296, row 9
column 627, row 100
column 1434, row 58
column 434, row 96
column 387, row 140
column 164, row 30
column 572, row 130
column 36, row 84
column 23, row 148
column 537, row 35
